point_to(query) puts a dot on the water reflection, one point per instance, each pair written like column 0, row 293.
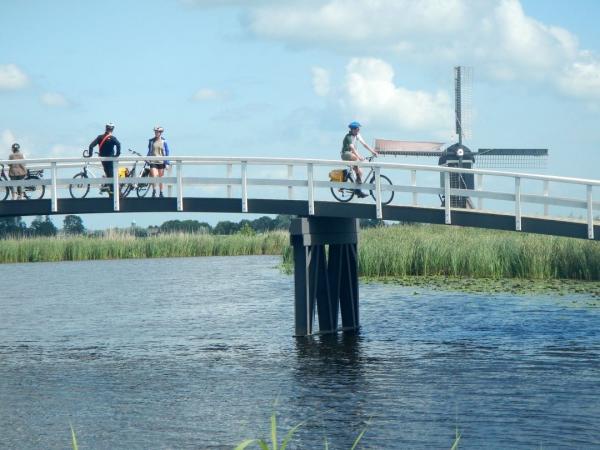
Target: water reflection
column 332, row 388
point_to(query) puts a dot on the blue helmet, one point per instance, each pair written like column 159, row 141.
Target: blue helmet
column 353, row 125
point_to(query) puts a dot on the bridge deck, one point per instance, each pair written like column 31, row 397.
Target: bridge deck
column 419, row 214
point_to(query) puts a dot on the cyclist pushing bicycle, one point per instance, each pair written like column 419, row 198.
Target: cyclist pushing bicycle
column 350, row 152
column 108, row 145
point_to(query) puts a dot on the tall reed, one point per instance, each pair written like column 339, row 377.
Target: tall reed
column 431, row 250
column 122, row 246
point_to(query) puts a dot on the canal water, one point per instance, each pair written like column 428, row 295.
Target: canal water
column 197, row 353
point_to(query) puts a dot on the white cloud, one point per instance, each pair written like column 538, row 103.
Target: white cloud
column 582, row 79
column 370, row 93
column 206, row 94
column 11, row 77
column 7, row 138
column 495, row 36
column 54, row 99
column 320, row 81
column 64, row 151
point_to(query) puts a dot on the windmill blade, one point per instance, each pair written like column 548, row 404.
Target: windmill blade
column 463, row 97
column 408, row 148
column 511, row 158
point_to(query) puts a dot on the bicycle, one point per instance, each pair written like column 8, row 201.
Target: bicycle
column 345, row 194
column 35, row 192
column 141, row 189
column 81, row 190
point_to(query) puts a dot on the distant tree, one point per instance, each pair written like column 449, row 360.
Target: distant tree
column 185, row 226
column 263, row 224
column 73, row 225
column 226, row 227
column 282, row 222
column 12, row 227
column 42, row 227
column 247, row 230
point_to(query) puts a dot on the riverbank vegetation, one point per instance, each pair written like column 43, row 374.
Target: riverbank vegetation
column 122, row 246
column 397, row 251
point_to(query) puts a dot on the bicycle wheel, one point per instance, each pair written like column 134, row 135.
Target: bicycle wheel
column 142, row 190
column 6, row 193
column 35, row 192
column 79, row 190
column 125, row 189
column 344, row 194
column 386, row 196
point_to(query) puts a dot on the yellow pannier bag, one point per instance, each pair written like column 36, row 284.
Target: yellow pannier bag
column 337, row 175
column 123, row 172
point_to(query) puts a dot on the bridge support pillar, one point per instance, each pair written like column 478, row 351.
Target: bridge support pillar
column 325, row 273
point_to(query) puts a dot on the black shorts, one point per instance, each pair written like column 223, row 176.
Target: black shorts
column 157, row 166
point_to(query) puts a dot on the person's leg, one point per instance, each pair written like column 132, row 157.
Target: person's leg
column 108, row 173
column 12, row 190
column 20, row 195
column 153, row 173
column 358, row 173
column 161, row 173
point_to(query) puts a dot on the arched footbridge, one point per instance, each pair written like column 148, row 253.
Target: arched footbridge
column 325, row 234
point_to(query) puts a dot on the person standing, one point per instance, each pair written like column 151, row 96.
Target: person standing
column 157, row 146
column 108, row 145
column 16, row 171
column 350, row 151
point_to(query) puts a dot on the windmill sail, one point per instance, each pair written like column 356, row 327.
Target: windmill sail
column 408, row 148
column 515, row 158
column 463, row 96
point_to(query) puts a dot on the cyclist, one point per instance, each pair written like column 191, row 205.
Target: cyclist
column 16, row 171
column 108, row 145
column 157, row 146
column 350, row 151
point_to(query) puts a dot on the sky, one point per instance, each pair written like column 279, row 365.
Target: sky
column 284, row 78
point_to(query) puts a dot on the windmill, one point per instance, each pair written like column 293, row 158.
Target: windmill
column 458, row 154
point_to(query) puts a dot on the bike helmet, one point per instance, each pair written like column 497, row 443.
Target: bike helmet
column 353, row 125
column 15, row 147
column 159, row 128
column 110, row 126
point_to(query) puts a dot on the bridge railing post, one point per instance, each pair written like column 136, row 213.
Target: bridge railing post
column 479, row 187
column 546, row 191
column 229, row 171
column 518, row 203
column 311, row 189
column 590, row 213
column 170, row 185
column 115, row 181
column 413, row 183
column 290, row 174
column 378, row 209
column 244, row 186
column 179, row 185
column 447, row 201
column 53, row 191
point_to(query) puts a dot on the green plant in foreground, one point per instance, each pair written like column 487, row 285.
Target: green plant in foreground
column 73, row 439
column 264, row 446
column 457, row 436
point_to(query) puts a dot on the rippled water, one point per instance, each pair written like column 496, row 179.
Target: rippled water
column 196, row 353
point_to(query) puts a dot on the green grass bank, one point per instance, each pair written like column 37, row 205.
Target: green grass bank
column 123, row 246
column 433, row 251
column 395, row 251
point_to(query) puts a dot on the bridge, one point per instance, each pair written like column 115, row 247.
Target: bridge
column 325, row 234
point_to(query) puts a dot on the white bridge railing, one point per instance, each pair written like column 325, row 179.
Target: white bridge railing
column 310, row 177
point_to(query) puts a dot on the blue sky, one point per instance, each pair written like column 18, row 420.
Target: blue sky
column 283, row 78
